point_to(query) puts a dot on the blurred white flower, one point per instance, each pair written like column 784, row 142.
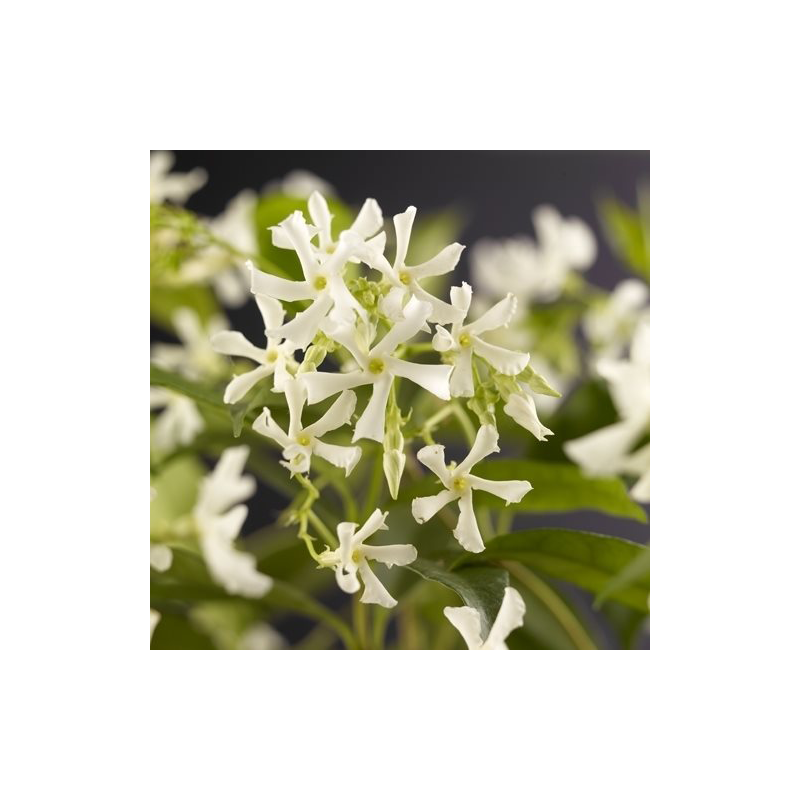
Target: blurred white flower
column 351, row 559
column 179, row 422
column 277, row 358
column 607, row 451
column 173, row 186
column 260, row 636
column 219, row 515
column 462, row 340
column 154, row 618
column 160, row 557
column 300, row 443
column 194, row 357
column 377, row 366
column 534, row 270
column 300, row 183
column 610, row 324
column 467, row 621
column 404, row 279
column 459, row 484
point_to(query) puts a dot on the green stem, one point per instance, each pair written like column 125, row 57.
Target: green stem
column 562, row 613
column 466, row 423
column 360, row 623
column 322, row 529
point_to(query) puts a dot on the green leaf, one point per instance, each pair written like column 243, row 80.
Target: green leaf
column 175, row 490
column 589, row 560
column 634, row 571
column 558, row 487
column 628, row 232
column 202, row 394
column 480, row 588
column 166, row 300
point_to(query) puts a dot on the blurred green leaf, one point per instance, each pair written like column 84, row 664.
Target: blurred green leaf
column 635, row 571
column 480, row 588
column 588, row 560
column 166, row 300
column 175, row 490
column 628, row 232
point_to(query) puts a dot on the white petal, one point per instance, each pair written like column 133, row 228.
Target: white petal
column 498, row 316
column 507, row 362
column 160, row 557
column 344, row 304
column 435, row 378
column 282, row 374
column 345, row 532
column 375, row 522
column 234, row 570
column 337, row 415
column 423, row 508
column 159, row 396
column 226, row 485
column 432, row 456
column 522, row 409
column 267, row 426
column 467, row 532
column 443, row 340
column 602, row 452
column 461, row 297
column 280, row 288
column 391, row 304
column 402, row 226
column 297, row 457
column 243, row 383
column 297, row 231
column 338, row 455
column 415, row 316
column 303, row 328
column 640, row 491
column 440, row 264
column 347, row 579
column 233, row 343
column 229, row 525
column 271, row 311
column 345, row 335
column 391, row 554
column 510, row 491
column 509, row 617
column 441, row 312
column 154, row 618
column 320, row 385
column 467, row 621
column 295, row 391
column 485, row 444
column 374, row 590
column 371, row 424
column 461, row 382
column 321, row 217
column 369, row 219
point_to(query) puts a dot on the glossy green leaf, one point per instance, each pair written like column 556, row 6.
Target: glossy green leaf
column 628, row 232
column 480, row 588
column 166, row 300
column 589, row 560
column 636, row 570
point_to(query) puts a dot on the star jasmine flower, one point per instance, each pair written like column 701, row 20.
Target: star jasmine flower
column 178, row 424
column 176, row 186
column 607, row 451
column 535, row 270
column 610, row 325
column 459, row 484
column 377, row 366
column 194, row 357
column 351, row 559
column 219, row 515
column 368, row 222
column 467, row 621
column 300, row 443
column 404, row 279
column 277, row 358
column 323, row 285
column 462, row 340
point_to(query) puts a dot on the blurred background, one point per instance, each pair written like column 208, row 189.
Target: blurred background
column 478, row 194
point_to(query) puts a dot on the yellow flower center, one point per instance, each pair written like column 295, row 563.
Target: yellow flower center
column 459, row 484
column 376, row 366
column 405, row 278
column 272, row 356
column 320, row 282
column 464, row 340
column 331, row 247
column 356, row 557
column 304, row 440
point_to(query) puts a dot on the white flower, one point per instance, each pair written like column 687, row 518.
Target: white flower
column 610, row 325
column 300, row 443
column 178, row 424
column 378, row 367
column 154, row 618
column 459, row 485
column 226, row 273
column 260, row 636
column 530, row 270
column 219, row 516
column 160, row 557
column 404, row 279
column 299, row 183
column 324, row 283
column 175, row 186
column 607, row 451
column 521, row 408
column 351, row 559
column 194, row 357
column 276, row 358
column 467, row 621
column 367, row 224
column 462, row 340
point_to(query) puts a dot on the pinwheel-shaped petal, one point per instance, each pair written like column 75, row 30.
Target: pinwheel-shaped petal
column 467, row 622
